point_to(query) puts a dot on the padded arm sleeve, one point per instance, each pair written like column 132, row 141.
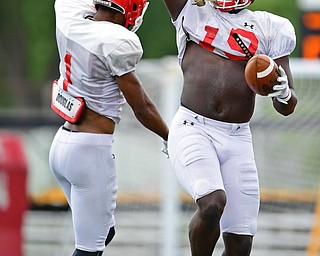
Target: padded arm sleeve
column 283, row 39
column 125, row 57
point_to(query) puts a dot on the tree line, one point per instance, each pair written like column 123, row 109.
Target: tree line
column 29, row 54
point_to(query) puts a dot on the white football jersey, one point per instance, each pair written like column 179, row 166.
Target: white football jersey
column 261, row 32
column 92, row 53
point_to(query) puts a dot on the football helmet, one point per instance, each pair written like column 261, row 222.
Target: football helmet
column 133, row 10
column 230, row 5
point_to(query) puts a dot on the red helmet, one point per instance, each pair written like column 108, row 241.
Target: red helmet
column 229, row 5
column 133, row 10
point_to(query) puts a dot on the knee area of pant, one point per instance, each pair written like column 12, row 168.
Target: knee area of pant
column 202, row 189
column 78, row 252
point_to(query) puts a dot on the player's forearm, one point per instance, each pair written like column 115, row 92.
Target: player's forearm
column 150, row 118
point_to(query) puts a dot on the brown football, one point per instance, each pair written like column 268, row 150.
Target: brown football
column 261, row 74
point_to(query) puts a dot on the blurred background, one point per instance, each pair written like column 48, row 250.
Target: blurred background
column 153, row 212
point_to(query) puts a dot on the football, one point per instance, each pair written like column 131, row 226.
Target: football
column 261, row 74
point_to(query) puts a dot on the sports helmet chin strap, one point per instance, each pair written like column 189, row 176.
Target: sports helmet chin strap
column 139, row 19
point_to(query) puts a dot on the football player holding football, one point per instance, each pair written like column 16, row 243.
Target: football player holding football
column 210, row 144
column 99, row 52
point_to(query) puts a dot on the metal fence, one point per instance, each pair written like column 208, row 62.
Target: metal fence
column 153, row 212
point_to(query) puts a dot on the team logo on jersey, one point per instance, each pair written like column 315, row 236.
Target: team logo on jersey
column 246, row 24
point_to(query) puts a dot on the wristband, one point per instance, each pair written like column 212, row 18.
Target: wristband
column 286, row 98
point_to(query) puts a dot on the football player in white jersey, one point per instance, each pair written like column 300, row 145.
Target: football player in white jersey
column 99, row 52
column 210, row 144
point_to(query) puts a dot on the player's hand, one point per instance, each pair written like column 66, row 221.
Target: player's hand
column 282, row 91
column 164, row 149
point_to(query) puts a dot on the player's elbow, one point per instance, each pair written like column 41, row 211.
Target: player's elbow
column 142, row 112
column 287, row 113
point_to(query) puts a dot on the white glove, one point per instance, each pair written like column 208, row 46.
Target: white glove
column 164, row 149
column 282, row 91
